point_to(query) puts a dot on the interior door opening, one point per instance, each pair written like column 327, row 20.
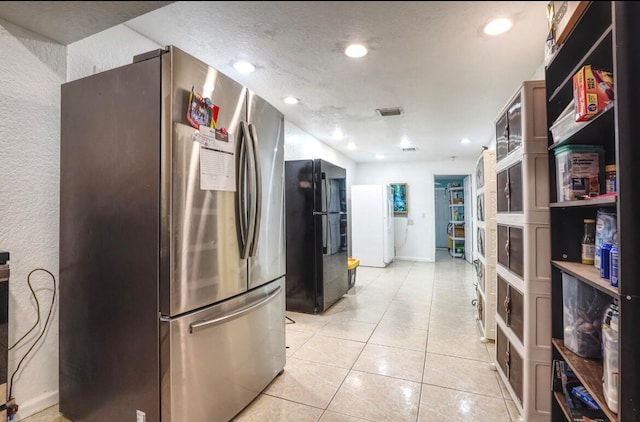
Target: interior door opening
column 453, row 217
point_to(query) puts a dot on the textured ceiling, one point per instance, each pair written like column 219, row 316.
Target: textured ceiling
column 429, row 58
column 69, row 21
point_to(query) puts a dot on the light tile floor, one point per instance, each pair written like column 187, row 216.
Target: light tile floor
column 403, row 345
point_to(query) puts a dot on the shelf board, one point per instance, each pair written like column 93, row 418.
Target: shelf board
column 456, row 205
column 456, row 222
column 593, row 202
column 591, row 132
column 589, row 372
column 588, row 274
column 456, row 238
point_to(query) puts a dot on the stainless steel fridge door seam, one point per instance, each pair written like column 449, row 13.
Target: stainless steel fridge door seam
column 201, row 325
column 258, row 190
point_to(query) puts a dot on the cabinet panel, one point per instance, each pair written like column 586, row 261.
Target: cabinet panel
column 511, row 307
column 510, row 363
column 501, row 351
column 480, row 173
column 480, row 207
column 514, row 122
column 516, row 251
column 503, row 238
column 502, row 138
column 480, row 274
column 516, row 372
column 481, row 241
column 515, row 188
column 502, row 191
column 511, row 248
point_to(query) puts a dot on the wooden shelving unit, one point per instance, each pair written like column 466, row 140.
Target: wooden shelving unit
column 607, row 37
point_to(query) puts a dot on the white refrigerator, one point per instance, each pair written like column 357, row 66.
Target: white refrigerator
column 372, row 225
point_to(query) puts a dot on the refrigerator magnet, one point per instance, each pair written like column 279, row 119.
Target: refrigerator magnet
column 201, row 112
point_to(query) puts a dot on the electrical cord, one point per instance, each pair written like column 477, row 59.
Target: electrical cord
column 46, row 323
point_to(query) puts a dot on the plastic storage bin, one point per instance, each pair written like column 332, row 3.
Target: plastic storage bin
column 583, row 307
column 579, row 169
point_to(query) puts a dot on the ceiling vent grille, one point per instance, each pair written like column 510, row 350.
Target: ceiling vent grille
column 386, row 112
column 408, row 149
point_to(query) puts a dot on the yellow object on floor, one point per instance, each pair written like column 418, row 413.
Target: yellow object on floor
column 352, row 264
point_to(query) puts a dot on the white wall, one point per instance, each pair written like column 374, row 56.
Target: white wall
column 106, row 50
column 32, row 69
column 415, row 233
column 299, row 145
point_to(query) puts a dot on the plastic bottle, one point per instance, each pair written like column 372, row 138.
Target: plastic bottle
column 589, row 241
column 610, row 355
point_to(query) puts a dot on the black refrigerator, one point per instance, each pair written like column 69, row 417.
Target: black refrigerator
column 316, row 235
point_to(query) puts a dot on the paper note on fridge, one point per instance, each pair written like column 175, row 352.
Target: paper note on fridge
column 217, row 159
column 217, row 170
column 218, row 139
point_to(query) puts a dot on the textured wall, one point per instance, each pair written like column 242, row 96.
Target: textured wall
column 32, row 70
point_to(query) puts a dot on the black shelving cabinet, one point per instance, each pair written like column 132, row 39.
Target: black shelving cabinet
column 607, row 37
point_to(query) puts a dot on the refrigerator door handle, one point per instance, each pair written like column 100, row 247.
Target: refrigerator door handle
column 246, row 222
column 325, row 233
column 201, row 325
column 257, row 192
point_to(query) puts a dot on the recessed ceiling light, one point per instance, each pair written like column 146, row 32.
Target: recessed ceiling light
column 465, row 141
column 351, row 146
column 405, row 143
column 337, row 134
column 291, row 100
column 498, row 26
column 244, row 67
column 356, row 50
column 379, row 156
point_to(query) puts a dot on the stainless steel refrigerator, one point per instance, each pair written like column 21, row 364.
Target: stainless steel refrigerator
column 172, row 243
column 316, row 227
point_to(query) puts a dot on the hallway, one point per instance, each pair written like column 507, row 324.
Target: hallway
column 404, row 346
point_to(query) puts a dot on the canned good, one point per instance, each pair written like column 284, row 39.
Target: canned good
column 605, row 254
column 613, row 265
column 610, row 178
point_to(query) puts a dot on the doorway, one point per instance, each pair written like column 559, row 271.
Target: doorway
column 453, row 232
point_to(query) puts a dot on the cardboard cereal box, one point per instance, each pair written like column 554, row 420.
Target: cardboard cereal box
column 592, row 92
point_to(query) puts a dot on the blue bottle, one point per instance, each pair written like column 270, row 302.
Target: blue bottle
column 613, row 265
column 605, row 254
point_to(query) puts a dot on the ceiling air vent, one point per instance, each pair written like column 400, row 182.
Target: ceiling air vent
column 409, row 149
column 386, row 112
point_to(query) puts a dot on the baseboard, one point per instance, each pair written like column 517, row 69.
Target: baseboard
column 36, row 405
column 409, row 258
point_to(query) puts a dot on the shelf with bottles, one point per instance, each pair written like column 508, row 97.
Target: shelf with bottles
column 607, row 38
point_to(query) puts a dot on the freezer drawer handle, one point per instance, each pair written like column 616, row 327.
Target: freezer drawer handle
column 200, row 325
